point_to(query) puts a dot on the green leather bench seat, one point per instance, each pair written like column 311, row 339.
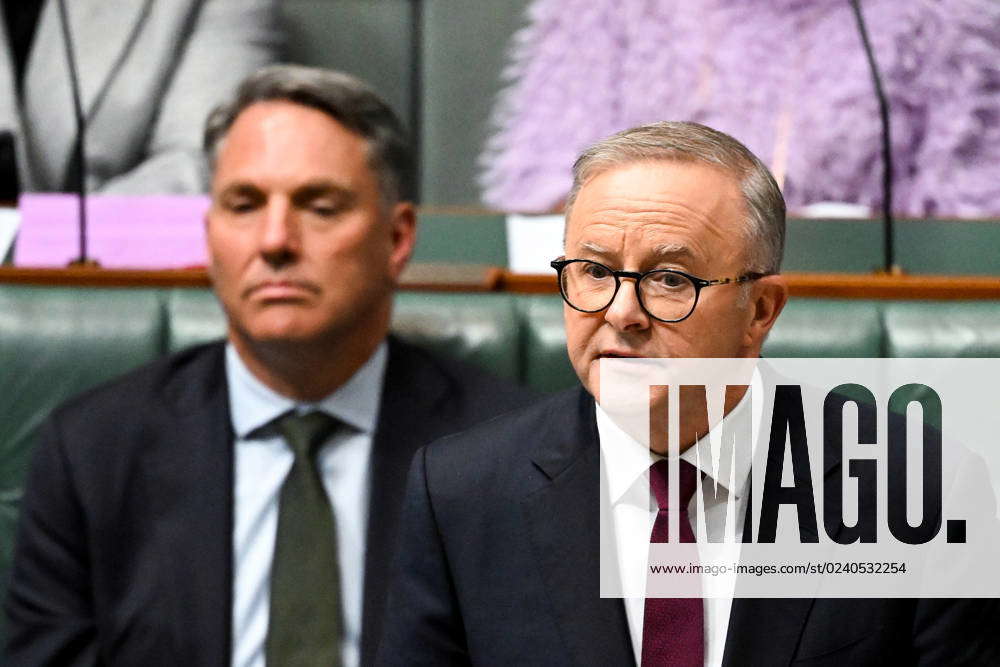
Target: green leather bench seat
column 58, row 341
column 54, row 343
column 942, row 329
column 192, row 316
column 479, row 328
column 827, row 328
column 545, row 365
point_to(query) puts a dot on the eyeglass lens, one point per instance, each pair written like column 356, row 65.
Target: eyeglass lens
column 589, row 286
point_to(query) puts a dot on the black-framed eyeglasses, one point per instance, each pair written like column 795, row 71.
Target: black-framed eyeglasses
column 667, row 295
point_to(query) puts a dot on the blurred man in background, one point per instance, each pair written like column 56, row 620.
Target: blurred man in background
column 236, row 503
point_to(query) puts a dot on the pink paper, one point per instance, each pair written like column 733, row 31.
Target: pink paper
column 150, row 232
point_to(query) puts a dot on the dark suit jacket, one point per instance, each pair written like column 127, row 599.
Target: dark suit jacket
column 124, row 551
column 498, row 565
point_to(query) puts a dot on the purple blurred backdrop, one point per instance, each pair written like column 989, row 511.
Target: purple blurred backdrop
column 787, row 77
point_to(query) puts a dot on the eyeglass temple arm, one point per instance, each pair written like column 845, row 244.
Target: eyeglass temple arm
column 739, row 279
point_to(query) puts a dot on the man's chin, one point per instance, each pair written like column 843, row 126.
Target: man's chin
column 281, row 332
column 620, row 370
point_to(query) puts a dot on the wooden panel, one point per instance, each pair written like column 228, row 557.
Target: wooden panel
column 855, row 286
column 90, row 277
column 452, row 277
column 418, row 276
column 480, row 278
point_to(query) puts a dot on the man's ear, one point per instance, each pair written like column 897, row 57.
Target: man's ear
column 768, row 298
column 403, row 236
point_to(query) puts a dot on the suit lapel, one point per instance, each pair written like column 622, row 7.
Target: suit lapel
column 102, row 32
column 191, row 474
column 764, row 631
column 412, row 412
column 563, row 520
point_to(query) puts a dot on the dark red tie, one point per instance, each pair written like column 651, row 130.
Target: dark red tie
column 673, row 631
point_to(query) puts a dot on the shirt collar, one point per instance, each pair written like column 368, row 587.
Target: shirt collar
column 627, row 461
column 252, row 404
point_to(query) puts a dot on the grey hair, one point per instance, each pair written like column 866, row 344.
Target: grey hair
column 691, row 142
column 344, row 98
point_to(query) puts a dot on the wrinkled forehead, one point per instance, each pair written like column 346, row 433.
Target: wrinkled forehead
column 652, row 210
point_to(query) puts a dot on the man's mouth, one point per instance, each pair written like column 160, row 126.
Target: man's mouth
column 281, row 289
column 617, row 354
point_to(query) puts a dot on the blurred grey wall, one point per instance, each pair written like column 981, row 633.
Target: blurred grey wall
column 438, row 62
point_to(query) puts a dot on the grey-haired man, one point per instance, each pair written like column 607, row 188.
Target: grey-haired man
column 674, row 237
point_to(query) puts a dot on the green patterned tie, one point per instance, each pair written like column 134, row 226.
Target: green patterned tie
column 305, row 627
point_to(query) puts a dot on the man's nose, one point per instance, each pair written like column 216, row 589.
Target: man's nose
column 625, row 312
column 279, row 236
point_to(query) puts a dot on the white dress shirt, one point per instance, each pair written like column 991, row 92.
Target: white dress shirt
column 634, row 509
column 263, row 461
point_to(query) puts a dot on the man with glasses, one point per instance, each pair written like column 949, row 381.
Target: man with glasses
column 673, row 240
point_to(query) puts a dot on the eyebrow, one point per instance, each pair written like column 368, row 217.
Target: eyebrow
column 662, row 251
column 595, row 248
column 672, row 251
column 323, row 188
column 303, row 193
column 240, row 188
